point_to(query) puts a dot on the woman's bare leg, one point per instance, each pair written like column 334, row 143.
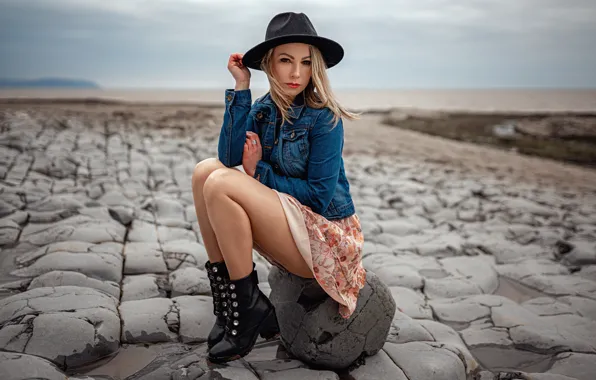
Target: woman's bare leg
column 200, row 174
column 242, row 210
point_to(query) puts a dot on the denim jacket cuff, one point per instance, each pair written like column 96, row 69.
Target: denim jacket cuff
column 240, row 97
column 262, row 171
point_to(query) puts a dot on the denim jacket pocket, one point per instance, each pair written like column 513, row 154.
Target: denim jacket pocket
column 295, row 144
column 295, row 148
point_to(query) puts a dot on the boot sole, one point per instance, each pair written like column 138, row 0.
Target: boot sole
column 251, row 346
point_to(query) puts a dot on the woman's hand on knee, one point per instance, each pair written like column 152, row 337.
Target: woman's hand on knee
column 253, row 153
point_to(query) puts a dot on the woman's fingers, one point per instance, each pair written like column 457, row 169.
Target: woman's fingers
column 251, row 147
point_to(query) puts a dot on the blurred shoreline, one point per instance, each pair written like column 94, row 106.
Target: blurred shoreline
column 458, row 100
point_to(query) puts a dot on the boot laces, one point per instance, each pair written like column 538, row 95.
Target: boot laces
column 233, row 324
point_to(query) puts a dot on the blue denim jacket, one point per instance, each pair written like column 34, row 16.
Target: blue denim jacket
column 304, row 161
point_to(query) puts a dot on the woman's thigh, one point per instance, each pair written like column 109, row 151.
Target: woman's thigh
column 270, row 228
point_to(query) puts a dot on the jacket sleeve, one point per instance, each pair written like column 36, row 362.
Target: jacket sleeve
column 233, row 130
column 316, row 191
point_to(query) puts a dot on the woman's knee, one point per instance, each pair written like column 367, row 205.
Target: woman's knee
column 203, row 170
column 217, row 182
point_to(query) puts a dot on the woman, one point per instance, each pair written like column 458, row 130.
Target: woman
column 278, row 186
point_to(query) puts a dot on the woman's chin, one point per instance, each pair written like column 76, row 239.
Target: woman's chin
column 293, row 91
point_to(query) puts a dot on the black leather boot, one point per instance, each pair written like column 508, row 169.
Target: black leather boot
column 250, row 314
column 220, row 280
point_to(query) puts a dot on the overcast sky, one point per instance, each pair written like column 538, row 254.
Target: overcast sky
column 388, row 43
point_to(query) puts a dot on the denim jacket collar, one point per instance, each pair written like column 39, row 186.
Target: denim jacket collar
column 297, row 107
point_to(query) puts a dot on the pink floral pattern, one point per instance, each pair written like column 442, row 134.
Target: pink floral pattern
column 336, row 249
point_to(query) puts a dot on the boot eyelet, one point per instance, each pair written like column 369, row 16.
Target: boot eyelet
column 236, row 314
column 235, row 304
column 234, row 332
column 225, row 304
column 223, row 295
column 232, row 286
column 221, row 287
column 225, row 313
column 218, row 278
column 236, row 323
column 234, row 295
column 215, row 270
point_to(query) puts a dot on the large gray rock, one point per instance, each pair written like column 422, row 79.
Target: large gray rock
column 68, row 325
column 313, row 330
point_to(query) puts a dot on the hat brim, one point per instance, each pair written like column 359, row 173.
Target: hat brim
column 332, row 51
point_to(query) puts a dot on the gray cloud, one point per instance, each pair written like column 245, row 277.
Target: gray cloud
column 388, row 43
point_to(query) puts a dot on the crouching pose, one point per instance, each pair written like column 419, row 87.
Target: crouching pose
column 278, row 186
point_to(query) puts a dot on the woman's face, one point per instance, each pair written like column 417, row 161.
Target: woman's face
column 291, row 67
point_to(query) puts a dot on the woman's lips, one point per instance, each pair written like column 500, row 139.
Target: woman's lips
column 293, row 85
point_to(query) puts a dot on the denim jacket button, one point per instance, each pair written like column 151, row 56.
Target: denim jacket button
column 229, row 98
column 259, row 115
column 292, row 135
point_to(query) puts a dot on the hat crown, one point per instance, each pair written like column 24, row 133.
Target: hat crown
column 289, row 23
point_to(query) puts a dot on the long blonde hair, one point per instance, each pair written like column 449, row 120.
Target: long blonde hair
column 317, row 93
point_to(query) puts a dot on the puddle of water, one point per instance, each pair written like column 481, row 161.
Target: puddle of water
column 433, row 273
column 516, row 291
column 497, row 359
column 126, row 362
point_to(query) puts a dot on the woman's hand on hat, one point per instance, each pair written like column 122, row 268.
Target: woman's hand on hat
column 240, row 72
column 253, row 153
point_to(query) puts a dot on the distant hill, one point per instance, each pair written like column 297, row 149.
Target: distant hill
column 47, row 83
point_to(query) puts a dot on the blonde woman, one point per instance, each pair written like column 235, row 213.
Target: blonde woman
column 278, row 186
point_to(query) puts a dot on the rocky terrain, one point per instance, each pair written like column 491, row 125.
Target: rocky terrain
column 490, row 256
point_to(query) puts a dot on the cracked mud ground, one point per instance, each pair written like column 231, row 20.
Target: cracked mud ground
column 490, row 256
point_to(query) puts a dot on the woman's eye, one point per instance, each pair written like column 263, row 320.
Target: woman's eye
column 285, row 60
column 307, row 63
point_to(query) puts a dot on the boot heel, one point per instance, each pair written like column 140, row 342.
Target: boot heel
column 270, row 328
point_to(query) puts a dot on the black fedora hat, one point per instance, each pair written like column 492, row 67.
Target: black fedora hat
column 290, row 27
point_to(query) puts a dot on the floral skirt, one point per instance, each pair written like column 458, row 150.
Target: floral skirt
column 331, row 248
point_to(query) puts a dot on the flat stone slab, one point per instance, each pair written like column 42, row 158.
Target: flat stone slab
column 196, row 318
column 9, row 232
column 393, row 271
column 187, row 319
column 184, row 253
column 411, row 303
column 18, row 366
column 149, row 321
column 68, row 325
column 143, row 257
column 190, row 281
column 576, row 365
column 438, row 362
column 99, row 261
column 143, row 286
column 379, row 366
column 78, row 228
column 143, row 231
column 66, row 278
